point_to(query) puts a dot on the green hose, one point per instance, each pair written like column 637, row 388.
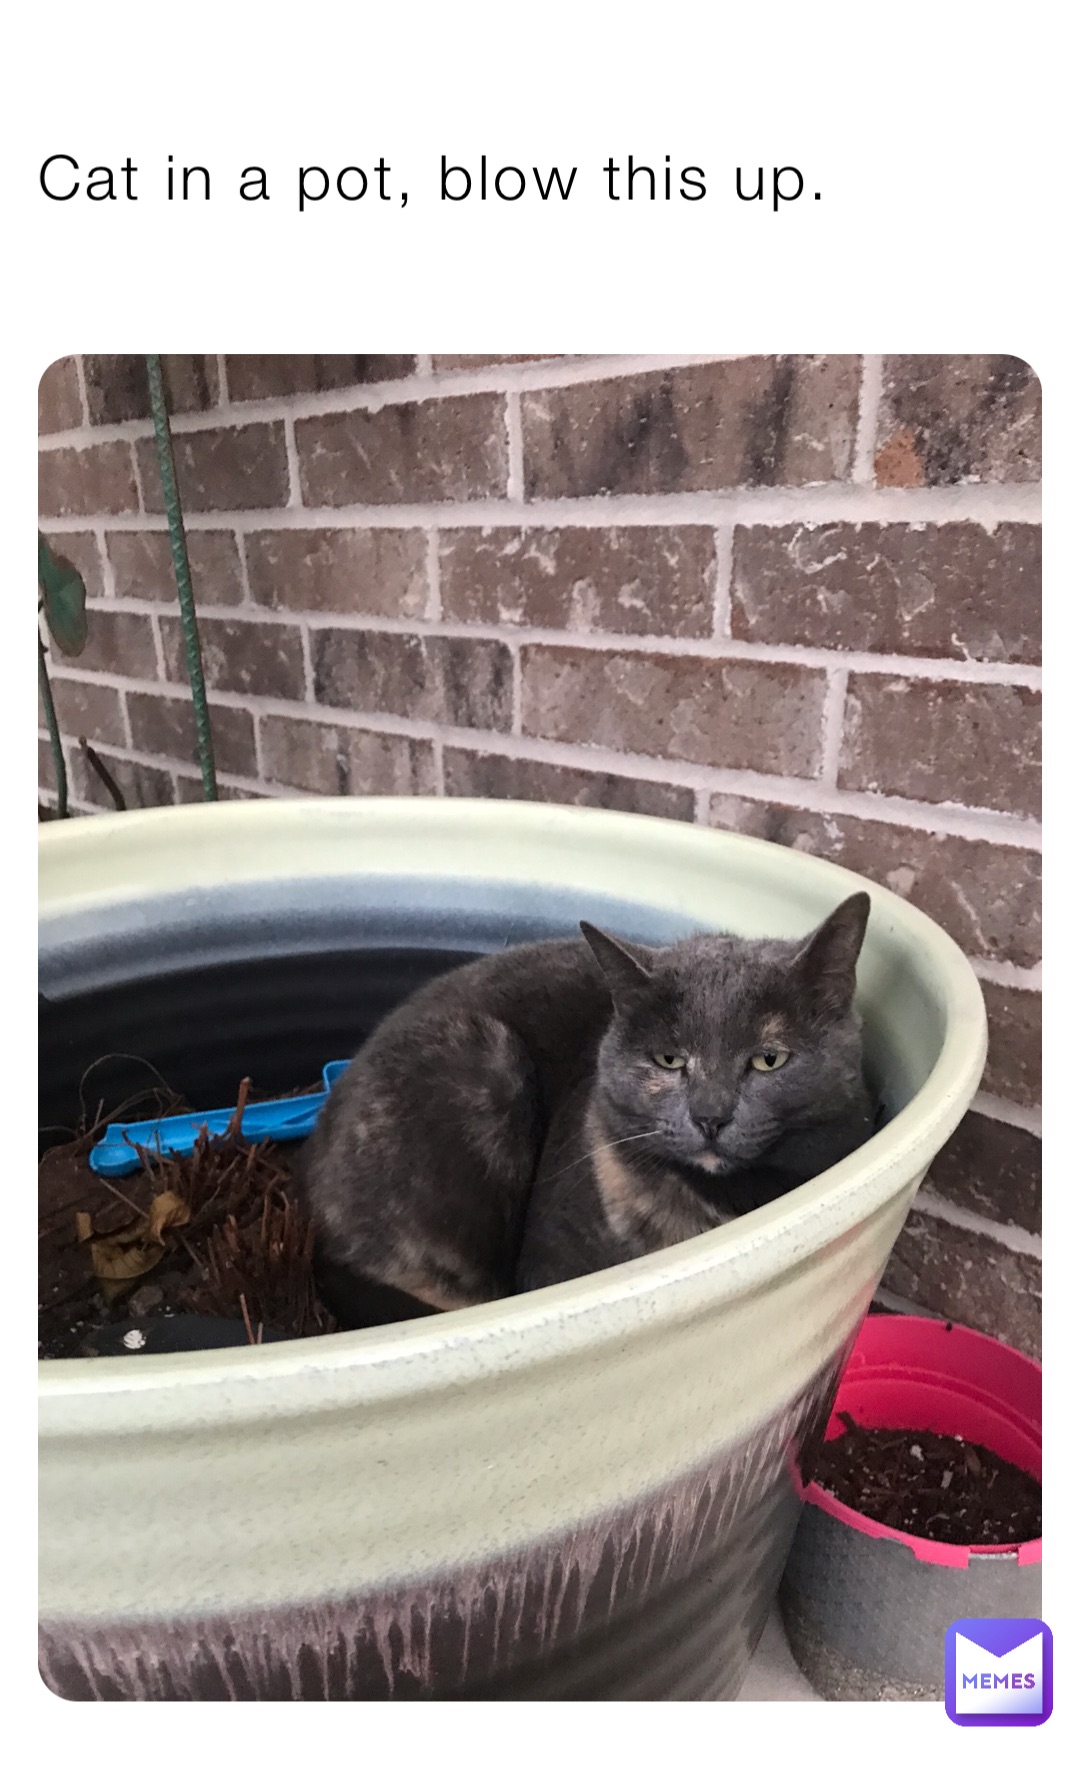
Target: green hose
column 182, row 573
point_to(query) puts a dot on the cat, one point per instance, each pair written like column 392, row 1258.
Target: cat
column 730, row 1072
column 565, row 1105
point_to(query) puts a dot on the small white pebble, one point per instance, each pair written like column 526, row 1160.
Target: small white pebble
column 134, row 1339
column 916, row 1452
column 946, row 1480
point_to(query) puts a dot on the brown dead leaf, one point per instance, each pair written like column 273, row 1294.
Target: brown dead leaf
column 84, row 1226
column 120, row 1260
column 167, row 1212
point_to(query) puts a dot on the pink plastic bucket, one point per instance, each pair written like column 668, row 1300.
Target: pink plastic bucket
column 932, row 1377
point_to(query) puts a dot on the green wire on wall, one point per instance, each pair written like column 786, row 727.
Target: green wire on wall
column 57, row 748
column 182, row 573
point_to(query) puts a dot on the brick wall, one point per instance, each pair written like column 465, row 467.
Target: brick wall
column 794, row 596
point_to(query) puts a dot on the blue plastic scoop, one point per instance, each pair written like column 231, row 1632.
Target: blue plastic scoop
column 115, row 1154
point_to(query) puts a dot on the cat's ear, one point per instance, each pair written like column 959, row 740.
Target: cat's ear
column 826, row 962
column 626, row 966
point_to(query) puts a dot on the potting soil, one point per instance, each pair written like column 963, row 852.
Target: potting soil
column 219, row 1234
column 930, row 1485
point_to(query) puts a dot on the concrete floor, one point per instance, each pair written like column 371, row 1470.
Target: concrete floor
column 774, row 1676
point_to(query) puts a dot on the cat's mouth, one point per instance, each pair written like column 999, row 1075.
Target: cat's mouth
column 714, row 1161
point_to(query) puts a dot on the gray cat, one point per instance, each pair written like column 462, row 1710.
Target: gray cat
column 561, row 1107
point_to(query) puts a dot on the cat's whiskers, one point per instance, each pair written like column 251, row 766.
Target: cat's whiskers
column 634, row 1138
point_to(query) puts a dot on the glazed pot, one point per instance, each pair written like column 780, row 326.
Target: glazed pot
column 585, row 1492
column 865, row 1606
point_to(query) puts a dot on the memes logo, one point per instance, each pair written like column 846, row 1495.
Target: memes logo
column 998, row 1672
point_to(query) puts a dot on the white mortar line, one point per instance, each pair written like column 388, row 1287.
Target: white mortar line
column 423, row 365
column 433, row 607
column 108, row 576
column 702, row 797
column 84, row 397
column 296, row 500
column 1008, row 1113
column 248, row 601
column 260, row 764
column 440, row 778
column 515, row 691
column 797, row 794
column 309, row 665
column 826, row 503
column 159, row 645
column 1010, row 1235
column 515, row 450
column 724, row 552
column 223, row 382
column 862, row 468
column 955, row 670
column 125, row 715
column 832, row 726
column 1000, row 971
column 372, row 396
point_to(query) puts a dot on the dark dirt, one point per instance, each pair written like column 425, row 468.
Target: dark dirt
column 931, row 1485
column 240, row 1252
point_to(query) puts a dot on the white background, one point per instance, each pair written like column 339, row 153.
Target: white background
column 936, row 136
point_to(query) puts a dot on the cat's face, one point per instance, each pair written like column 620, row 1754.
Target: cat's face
column 718, row 1046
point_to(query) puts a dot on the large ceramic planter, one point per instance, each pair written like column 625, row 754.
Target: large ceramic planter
column 587, row 1492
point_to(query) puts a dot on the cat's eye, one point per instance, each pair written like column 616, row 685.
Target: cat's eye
column 669, row 1060
column 770, row 1060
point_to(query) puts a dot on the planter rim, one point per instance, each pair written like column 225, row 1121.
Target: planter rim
column 925, row 1549
column 80, row 862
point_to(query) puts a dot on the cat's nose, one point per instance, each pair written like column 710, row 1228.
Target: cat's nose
column 710, row 1127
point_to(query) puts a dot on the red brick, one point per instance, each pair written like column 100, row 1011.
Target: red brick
column 165, row 726
column 139, row 783
column 189, row 791
column 46, row 769
column 141, row 561
column 349, row 571
column 99, row 481
column 974, row 744
column 241, row 468
column 754, row 421
column 992, row 1169
column 629, row 580
column 88, row 710
column 735, row 715
column 118, row 641
column 970, row 1279
column 270, row 378
column 1014, row 1064
column 329, row 759
column 456, row 682
column 472, row 776
column 986, row 896
column 59, row 403
column 241, row 657
column 946, row 591
column 433, row 450
column 118, row 388
column 950, row 420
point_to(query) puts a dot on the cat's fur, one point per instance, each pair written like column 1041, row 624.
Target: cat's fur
column 508, row 1127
